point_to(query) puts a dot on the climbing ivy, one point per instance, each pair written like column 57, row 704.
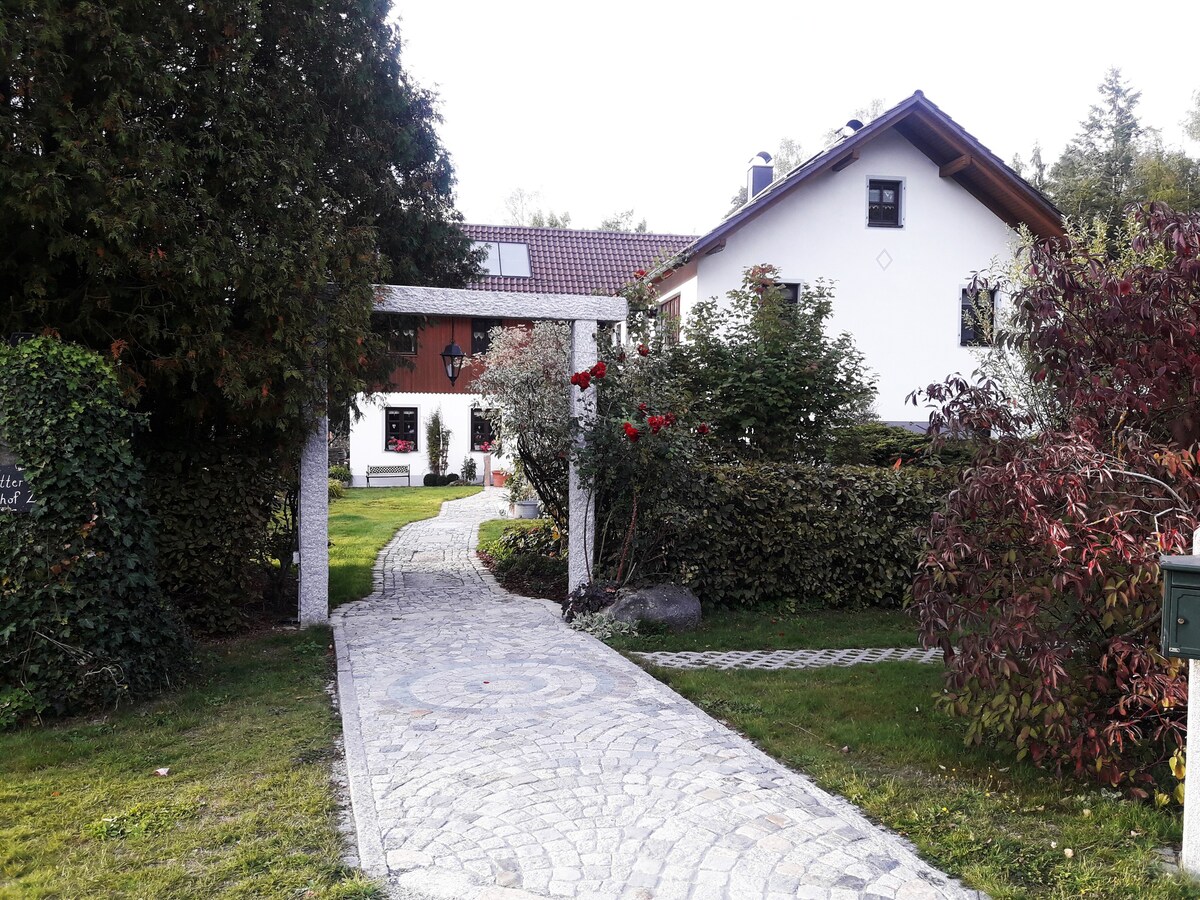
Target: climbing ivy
column 83, row 623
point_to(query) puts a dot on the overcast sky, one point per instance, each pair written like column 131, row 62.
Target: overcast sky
column 658, row 106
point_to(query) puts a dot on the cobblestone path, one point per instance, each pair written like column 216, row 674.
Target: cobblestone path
column 495, row 754
column 786, row 659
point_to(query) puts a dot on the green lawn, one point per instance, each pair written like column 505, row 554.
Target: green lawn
column 767, row 630
column 364, row 520
column 246, row 810
column 493, row 528
column 870, row 734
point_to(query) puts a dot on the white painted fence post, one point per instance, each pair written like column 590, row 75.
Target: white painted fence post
column 314, row 526
column 582, row 522
column 1190, row 857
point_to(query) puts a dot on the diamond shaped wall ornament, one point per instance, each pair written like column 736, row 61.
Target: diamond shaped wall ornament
column 884, row 259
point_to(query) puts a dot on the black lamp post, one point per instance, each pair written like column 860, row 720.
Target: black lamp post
column 452, row 357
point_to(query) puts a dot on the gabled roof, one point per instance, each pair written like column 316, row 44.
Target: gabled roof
column 958, row 154
column 574, row 261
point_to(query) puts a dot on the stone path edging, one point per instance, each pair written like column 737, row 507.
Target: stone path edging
column 495, row 754
column 774, row 660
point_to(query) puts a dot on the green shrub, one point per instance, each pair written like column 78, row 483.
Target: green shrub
column 217, row 504
column 337, row 489
column 470, row 470
column 533, row 550
column 340, row 473
column 83, row 620
column 804, row 536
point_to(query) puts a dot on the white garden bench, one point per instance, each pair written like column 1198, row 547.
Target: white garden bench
column 388, row 472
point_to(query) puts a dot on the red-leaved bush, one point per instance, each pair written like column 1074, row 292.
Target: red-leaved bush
column 1041, row 579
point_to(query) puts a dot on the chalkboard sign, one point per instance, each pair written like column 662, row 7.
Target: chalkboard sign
column 15, row 493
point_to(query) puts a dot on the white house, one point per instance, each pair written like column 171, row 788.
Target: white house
column 899, row 214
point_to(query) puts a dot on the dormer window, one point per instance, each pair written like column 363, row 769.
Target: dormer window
column 503, row 258
column 883, row 203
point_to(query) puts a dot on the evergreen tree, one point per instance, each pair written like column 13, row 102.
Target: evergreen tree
column 1094, row 176
column 182, row 184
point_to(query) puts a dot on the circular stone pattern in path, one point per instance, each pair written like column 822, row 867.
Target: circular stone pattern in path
column 503, row 687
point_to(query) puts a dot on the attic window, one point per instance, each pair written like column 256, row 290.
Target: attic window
column 503, row 258
column 883, row 203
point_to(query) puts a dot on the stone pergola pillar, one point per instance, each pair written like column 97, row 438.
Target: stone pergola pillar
column 584, row 312
column 582, row 533
column 314, row 526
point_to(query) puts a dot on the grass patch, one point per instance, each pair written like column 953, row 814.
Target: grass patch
column 774, row 630
column 492, row 529
column 363, row 521
column 246, row 811
column 870, row 734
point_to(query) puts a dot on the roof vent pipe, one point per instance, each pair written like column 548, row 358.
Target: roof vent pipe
column 759, row 176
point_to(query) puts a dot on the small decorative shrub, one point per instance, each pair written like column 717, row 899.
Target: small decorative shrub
column 589, row 599
column 437, row 443
column 535, row 552
column 84, row 623
column 337, row 489
column 431, row 480
column 449, row 479
column 340, row 473
column 602, row 626
column 470, row 470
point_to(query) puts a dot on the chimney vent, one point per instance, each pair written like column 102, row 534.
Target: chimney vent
column 760, row 175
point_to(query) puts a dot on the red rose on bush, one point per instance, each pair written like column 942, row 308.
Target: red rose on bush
column 632, row 433
column 656, row 423
column 703, row 428
column 583, row 379
column 599, row 370
column 643, row 350
column 670, row 419
column 643, row 409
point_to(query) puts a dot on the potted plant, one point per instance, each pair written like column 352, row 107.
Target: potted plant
column 523, row 501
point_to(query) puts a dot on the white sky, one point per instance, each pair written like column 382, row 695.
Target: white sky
column 658, row 106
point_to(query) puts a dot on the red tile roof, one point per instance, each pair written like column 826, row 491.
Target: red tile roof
column 571, row 261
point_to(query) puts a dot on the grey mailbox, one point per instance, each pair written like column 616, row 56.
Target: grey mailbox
column 1181, row 606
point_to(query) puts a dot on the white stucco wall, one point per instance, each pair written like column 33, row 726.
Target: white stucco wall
column 367, row 436
column 905, row 317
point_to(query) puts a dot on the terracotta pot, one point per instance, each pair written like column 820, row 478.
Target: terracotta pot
column 499, row 479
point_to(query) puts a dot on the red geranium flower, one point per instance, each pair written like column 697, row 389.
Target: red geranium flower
column 703, row 428
column 632, row 433
column 599, row 370
column 640, row 273
column 643, row 350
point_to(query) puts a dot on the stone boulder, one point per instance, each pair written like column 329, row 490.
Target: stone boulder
column 672, row 605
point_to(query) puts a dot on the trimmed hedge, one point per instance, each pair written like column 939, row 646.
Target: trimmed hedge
column 807, row 537
column 216, row 504
column 83, row 621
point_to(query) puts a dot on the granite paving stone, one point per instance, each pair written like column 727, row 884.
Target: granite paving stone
column 495, row 754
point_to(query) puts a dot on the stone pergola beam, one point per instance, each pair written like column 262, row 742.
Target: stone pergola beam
column 584, row 312
column 430, row 301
